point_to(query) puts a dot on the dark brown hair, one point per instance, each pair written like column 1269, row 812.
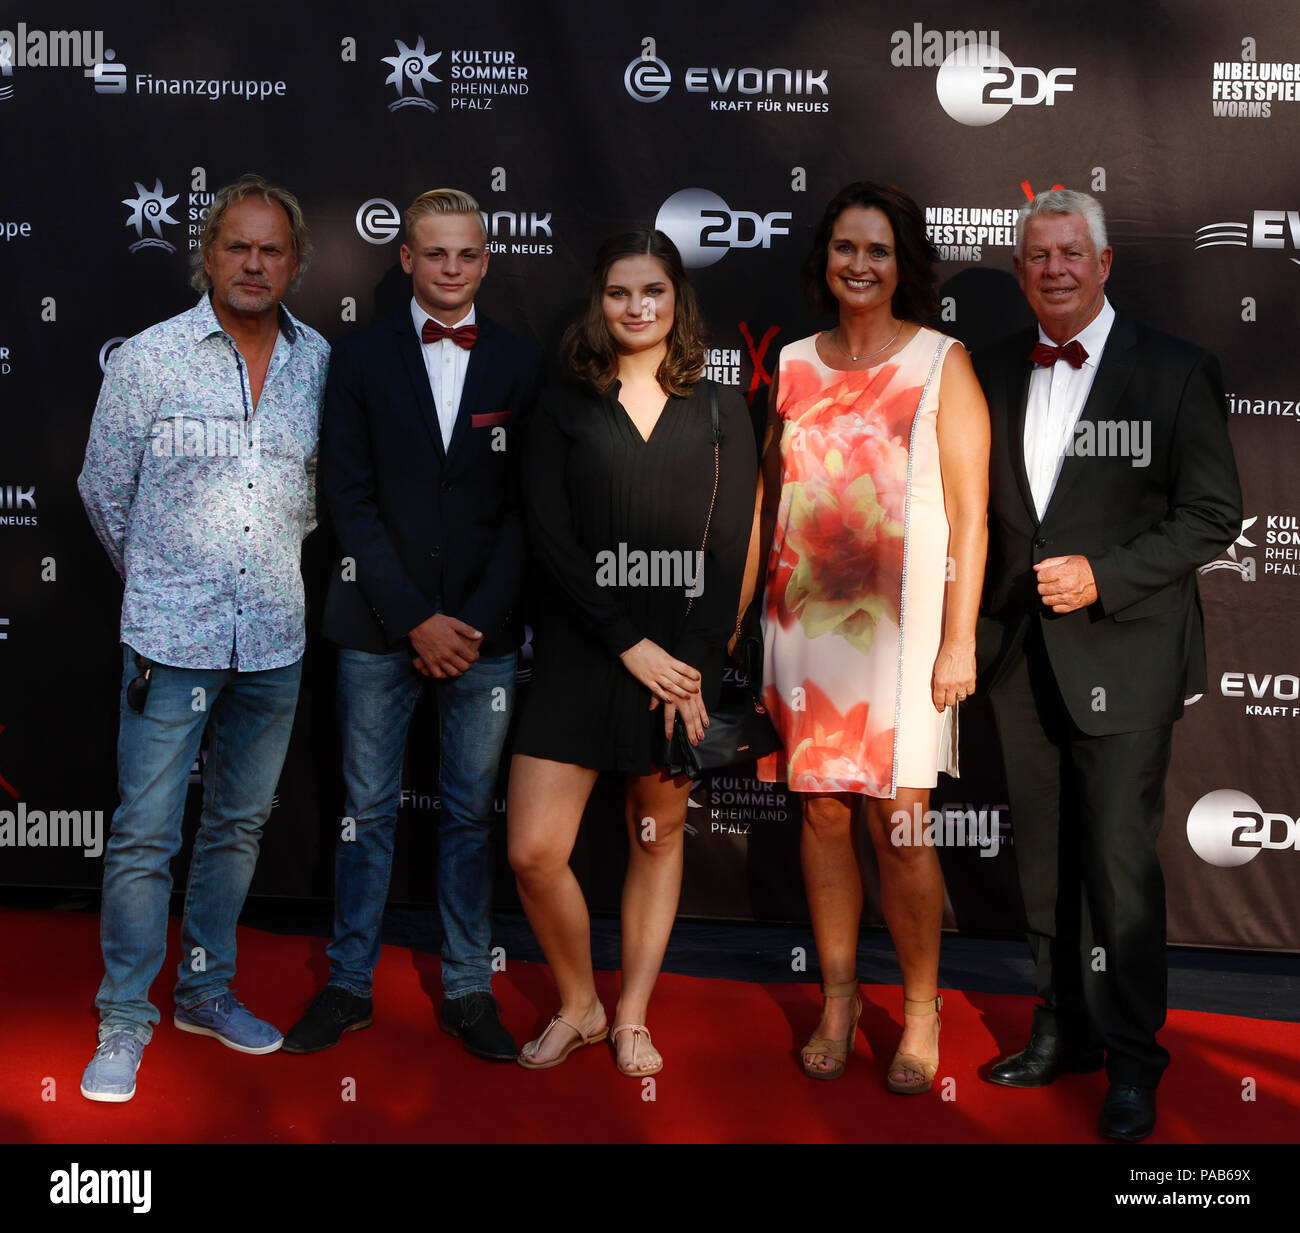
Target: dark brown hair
column 915, row 298
column 587, row 349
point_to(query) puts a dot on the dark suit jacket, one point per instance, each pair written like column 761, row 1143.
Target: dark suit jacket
column 1144, row 529
column 423, row 528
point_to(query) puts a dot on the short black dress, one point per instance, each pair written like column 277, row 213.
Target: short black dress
column 615, row 523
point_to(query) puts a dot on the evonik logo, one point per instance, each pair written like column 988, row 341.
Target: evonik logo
column 378, row 220
column 648, row 79
column 18, row 497
column 18, row 505
column 1275, row 694
column 1266, row 229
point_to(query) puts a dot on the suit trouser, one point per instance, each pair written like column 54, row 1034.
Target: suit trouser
column 1086, row 811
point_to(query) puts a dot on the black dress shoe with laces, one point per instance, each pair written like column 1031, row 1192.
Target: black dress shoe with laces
column 334, row 1012
column 476, row 1019
column 1042, row 1061
column 1129, row 1113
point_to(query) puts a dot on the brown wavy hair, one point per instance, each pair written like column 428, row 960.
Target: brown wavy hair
column 588, row 350
column 915, row 298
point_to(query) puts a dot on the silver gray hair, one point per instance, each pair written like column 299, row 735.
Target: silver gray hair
column 1063, row 201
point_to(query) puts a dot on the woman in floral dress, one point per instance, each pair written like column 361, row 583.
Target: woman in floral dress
column 876, row 486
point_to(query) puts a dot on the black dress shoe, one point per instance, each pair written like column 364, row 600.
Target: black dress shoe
column 1129, row 1113
column 476, row 1019
column 1042, row 1061
column 334, row 1012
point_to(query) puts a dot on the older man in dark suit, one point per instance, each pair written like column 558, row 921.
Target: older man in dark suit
column 420, row 460
column 1112, row 479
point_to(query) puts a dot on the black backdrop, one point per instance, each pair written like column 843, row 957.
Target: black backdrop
column 729, row 125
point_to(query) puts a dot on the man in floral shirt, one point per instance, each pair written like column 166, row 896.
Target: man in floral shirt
column 199, row 480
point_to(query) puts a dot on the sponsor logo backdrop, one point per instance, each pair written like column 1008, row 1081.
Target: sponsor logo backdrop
column 729, row 126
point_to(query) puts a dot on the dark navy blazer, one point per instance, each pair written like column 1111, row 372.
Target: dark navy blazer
column 422, row 528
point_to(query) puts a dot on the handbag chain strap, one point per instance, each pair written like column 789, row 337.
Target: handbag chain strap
column 717, row 436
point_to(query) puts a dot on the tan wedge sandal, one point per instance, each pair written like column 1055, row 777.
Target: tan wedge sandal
column 836, row 1050
column 909, row 1063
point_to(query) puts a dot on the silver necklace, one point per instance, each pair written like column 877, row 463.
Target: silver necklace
column 835, row 338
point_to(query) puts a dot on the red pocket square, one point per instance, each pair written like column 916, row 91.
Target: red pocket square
column 490, row 420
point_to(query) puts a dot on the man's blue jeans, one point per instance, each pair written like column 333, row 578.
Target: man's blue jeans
column 249, row 716
column 376, row 697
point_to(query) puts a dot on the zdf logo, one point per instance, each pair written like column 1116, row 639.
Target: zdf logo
column 704, row 227
column 1227, row 828
column 978, row 85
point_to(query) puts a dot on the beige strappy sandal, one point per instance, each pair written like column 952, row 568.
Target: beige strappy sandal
column 638, row 1030
column 530, row 1049
column 909, row 1063
column 836, row 1050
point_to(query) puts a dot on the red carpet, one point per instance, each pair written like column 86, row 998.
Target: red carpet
column 731, row 1072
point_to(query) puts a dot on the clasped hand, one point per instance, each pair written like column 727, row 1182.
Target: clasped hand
column 672, row 682
column 444, row 646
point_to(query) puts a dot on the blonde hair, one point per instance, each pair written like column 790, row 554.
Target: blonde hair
column 247, row 186
column 441, row 201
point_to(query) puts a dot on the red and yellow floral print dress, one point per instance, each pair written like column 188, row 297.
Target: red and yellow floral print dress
column 853, row 612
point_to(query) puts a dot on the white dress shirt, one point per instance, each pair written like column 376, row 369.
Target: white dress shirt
column 1056, row 397
column 446, row 363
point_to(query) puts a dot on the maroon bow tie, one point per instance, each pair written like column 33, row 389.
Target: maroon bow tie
column 463, row 335
column 1073, row 353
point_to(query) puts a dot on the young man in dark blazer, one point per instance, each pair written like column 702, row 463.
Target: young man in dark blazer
column 1111, row 479
column 420, row 461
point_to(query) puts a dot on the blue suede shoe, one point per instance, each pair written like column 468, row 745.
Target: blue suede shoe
column 227, row 1019
column 111, row 1074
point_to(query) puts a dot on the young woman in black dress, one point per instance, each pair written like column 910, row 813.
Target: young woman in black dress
column 621, row 481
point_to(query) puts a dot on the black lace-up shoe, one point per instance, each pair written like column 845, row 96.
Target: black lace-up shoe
column 476, row 1019
column 1129, row 1113
column 334, row 1012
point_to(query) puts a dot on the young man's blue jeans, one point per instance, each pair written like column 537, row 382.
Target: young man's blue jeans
column 249, row 716
column 376, row 697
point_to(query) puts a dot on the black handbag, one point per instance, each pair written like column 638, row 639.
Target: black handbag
column 740, row 729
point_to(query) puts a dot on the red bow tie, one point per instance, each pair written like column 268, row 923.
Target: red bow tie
column 1073, row 353
column 463, row 335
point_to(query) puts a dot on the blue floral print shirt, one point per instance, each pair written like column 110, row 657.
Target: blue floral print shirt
column 201, row 500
